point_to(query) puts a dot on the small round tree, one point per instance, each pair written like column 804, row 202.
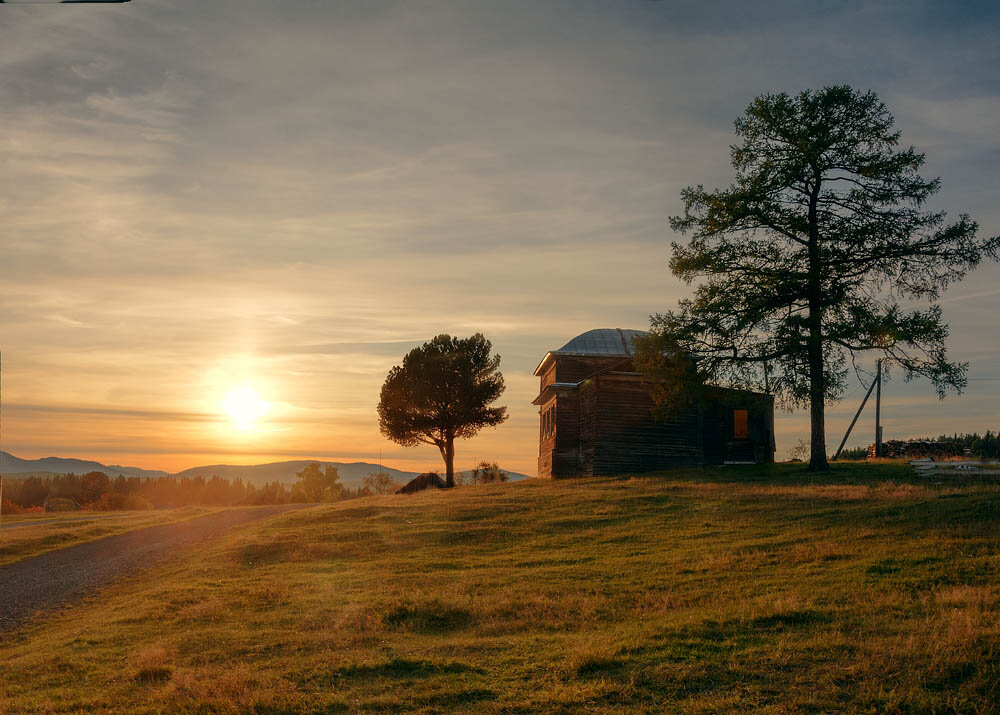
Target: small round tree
column 442, row 392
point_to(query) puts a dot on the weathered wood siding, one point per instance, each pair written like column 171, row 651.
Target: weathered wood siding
column 549, row 376
column 546, row 440
column 717, row 430
column 559, row 451
column 566, row 450
column 629, row 439
column 588, row 427
column 571, row 368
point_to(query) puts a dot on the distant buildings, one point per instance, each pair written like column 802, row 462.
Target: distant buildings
column 596, row 416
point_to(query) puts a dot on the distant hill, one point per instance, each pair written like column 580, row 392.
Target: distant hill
column 29, row 475
column 9, row 464
column 352, row 474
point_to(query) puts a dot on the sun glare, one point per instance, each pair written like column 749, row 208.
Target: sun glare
column 245, row 406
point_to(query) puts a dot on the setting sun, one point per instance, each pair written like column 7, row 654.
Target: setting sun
column 245, row 406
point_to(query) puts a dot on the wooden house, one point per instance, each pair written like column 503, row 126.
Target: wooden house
column 596, row 416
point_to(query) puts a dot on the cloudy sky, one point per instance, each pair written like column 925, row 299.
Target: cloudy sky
column 198, row 196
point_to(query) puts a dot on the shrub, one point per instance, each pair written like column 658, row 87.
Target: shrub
column 9, row 507
column 488, row 473
column 60, row 504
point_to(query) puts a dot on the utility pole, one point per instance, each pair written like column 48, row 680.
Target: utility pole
column 876, row 386
column 878, row 408
column 854, row 421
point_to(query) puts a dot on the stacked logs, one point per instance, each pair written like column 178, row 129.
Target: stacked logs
column 918, row 448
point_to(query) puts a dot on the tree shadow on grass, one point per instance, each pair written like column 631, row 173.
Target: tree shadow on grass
column 455, row 700
column 263, row 554
column 403, row 668
column 430, row 617
column 601, row 667
column 791, row 619
column 717, row 641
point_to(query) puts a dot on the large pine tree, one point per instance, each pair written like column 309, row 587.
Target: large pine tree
column 808, row 258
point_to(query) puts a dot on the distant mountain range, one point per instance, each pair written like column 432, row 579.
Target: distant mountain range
column 9, row 464
column 352, row 474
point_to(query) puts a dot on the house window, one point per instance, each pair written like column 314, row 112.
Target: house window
column 549, row 422
column 740, row 427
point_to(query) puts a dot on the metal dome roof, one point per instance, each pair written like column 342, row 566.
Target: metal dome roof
column 611, row 342
column 602, row 341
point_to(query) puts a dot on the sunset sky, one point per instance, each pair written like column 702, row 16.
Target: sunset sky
column 285, row 197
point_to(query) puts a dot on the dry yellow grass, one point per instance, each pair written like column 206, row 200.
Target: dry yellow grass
column 718, row 591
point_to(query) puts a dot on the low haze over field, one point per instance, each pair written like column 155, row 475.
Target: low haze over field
column 224, row 222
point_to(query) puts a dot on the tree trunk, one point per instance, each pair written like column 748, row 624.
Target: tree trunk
column 817, row 380
column 817, row 389
column 448, row 452
column 817, row 437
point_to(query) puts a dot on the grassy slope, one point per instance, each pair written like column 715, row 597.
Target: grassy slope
column 730, row 589
column 78, row 527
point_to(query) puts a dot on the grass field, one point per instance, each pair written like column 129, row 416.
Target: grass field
column 730, row 589
column 70, row 528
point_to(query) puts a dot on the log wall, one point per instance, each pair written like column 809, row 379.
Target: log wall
column 629, row 439
column 574, row 368
column 566, row 450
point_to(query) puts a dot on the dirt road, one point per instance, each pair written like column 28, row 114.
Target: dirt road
column 79, row 519
column 47, row 581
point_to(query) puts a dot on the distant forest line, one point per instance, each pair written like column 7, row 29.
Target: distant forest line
column 96, row 490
